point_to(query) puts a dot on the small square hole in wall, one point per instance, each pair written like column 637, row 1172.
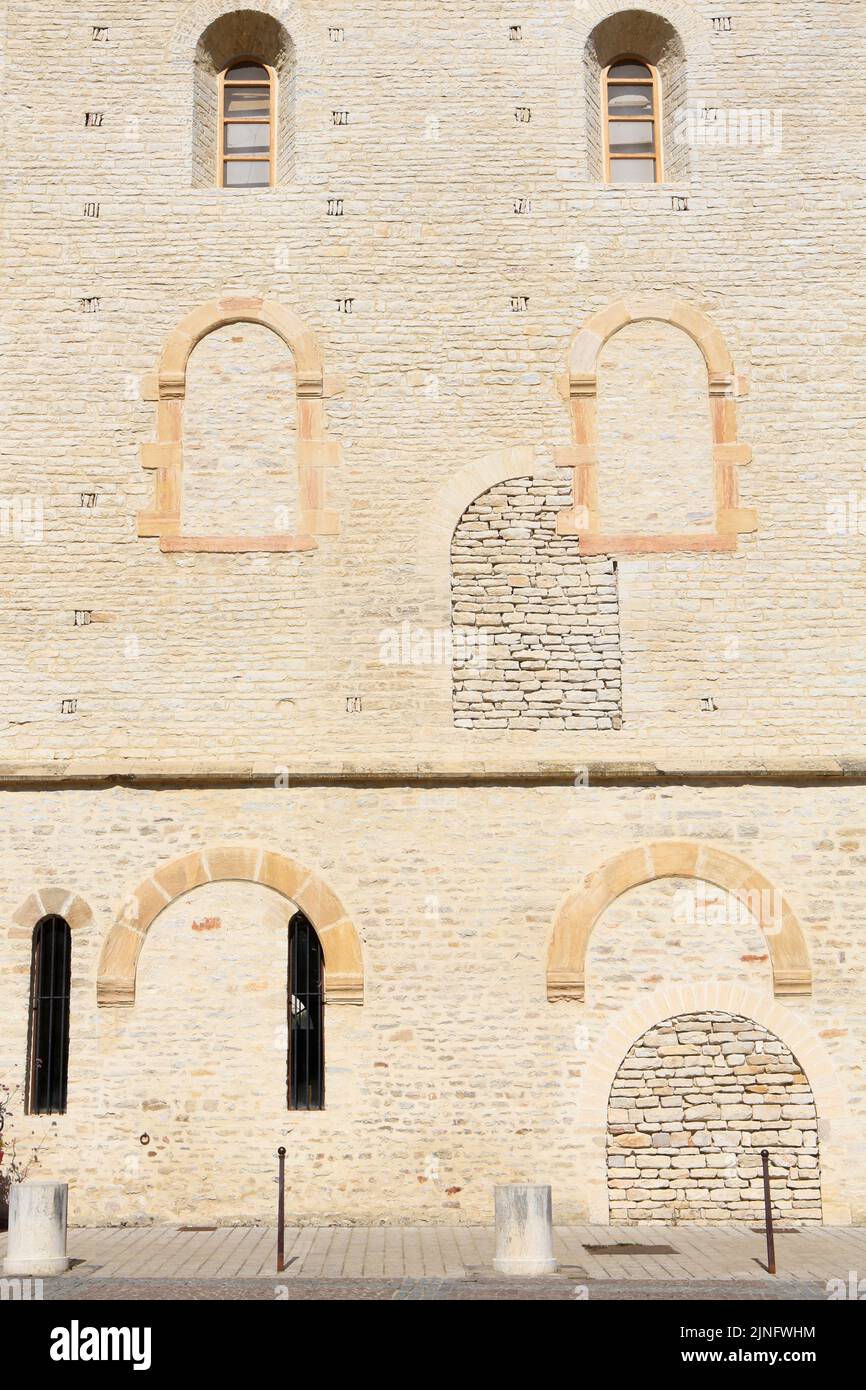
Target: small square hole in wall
column 354, row 704
column 91, row 209
column 99, row 33
column 722, row 23
column 68, row 706
column 83, row 617
column 93, row 118
column 522, row 206
column 336, row 34
column 89, row 305
column 339, row 118
column 523, row 114
column 708, row 704
column 345, row 306
column 335, row 207
column 515, row 33
column 679, row 204
column 88, row 500
column 519, row 303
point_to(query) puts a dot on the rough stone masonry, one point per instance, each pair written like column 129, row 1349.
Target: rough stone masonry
column 440, row 374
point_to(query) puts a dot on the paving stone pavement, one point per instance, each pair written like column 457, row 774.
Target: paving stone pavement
column 391, row 1254
column 88, row 1289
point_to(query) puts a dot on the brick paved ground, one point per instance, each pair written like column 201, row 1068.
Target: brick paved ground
column 698, row 1255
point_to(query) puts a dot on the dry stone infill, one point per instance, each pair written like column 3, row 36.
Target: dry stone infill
column 549, row 618
column 692, row 1105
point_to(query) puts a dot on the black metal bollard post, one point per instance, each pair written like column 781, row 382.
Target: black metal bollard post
column 768, row 1213
column 281, row 1212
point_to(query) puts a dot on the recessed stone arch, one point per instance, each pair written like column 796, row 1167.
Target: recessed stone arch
column 693, row 1102
column 838, row 1138
column 315, row 450
column 580, row 387
column 341, row 946
column 581, row 909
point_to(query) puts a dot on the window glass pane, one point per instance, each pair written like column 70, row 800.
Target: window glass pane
column 630, row 100
column 247, row 173
column 247, row 101
column 248, row 139
column 632, row 171
column 248, row 72
column 631, row 137
column 629, row 70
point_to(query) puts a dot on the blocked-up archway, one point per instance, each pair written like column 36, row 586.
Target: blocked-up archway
column 694, row 1101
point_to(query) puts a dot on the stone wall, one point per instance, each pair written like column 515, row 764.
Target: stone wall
column 455, row 1072
column 694, row 1102
column 240, row 435
column 470, row 248
column 539, row 622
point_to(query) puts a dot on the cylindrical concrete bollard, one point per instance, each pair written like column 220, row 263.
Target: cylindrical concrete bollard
column 37, row 1229
column 524, row 1229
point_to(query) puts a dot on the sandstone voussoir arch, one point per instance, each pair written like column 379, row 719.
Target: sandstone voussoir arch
column 341, row 946
column 581, row 909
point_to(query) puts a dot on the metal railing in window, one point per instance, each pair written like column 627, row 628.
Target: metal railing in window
column 48, row 1041
column 306, row 1010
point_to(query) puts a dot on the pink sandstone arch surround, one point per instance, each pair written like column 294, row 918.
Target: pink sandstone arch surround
column 580, row 387
column 341, row 946
column 315, row 451
column 581, row 909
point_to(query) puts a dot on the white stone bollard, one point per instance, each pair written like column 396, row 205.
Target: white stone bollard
column 37, row 1229
column 524, row 1229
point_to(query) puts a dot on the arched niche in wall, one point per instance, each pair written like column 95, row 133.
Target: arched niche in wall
column 257, row 37
column 651, row 39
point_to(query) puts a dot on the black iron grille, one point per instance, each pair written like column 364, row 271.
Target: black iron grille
column 48, row 1049
column 306, row 996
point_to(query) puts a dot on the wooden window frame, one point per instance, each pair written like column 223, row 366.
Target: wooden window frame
column 656, row 118
column 223, row 158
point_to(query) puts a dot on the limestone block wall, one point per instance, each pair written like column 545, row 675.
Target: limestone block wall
column 240, row 435
column 536, row 624
column 655, row 465
column 444, row 253
column 694, row 1102
column 456, row 1071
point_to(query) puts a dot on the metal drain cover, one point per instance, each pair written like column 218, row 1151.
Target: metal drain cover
column 627, row 1249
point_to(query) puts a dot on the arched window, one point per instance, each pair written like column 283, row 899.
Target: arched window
column 48, row 1048
column 632, row 122
column 306, row 1007
column 247, row 125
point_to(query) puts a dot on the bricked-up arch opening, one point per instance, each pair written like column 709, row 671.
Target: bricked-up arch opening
column 693, row 1103
column 241, row 34
column 534, row 625
column 656, row 42
column 240, row 474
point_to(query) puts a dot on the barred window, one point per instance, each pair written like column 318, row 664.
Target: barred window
column 630, row 119
column 246, row 119
column 306, row 1004
column 48, row 1043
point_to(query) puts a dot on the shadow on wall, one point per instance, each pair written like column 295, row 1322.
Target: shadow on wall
column 241, row 34
column 657, row 42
